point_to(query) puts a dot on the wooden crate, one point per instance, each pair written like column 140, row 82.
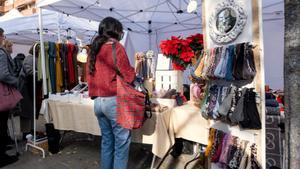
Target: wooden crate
column 169, row 79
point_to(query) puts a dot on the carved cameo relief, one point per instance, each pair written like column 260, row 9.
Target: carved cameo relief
column 227, row 22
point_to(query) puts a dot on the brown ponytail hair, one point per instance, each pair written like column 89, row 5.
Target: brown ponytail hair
column 108, row 28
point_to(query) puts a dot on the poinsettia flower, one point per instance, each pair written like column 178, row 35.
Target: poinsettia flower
column 187, row 55
column 169, row 48
column 180, row 50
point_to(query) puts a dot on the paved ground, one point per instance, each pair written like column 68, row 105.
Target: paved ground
column 81, row 151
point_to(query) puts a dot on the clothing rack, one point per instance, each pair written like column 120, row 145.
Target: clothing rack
column 34, row 109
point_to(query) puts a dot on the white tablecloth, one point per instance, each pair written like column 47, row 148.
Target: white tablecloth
column 80, row 117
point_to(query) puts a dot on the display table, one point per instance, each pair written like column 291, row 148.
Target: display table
column 187, row 122
column 68, row 114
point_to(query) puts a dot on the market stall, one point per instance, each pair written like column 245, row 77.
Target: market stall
column 144, row 22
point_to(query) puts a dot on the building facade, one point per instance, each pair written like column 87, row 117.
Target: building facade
column 26, row 7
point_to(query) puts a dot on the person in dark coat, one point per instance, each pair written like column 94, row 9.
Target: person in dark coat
column 8, row 77
column 18, row 60
column 26, row 88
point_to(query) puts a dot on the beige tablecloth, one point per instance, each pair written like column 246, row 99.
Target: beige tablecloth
column 187, row 122
column 80, row 117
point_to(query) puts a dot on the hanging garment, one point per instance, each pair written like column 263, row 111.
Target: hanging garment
column 238, row 113
column 249, row 70
column 227, row 141
column 200, row 66
column 39, row 67
column 52, row 59
column 215, row 112
column 206, row 65
column 217, row 147
column 235, row 162
column 211, row 138
column 218, row 53
column 229, row 67
column 218, row 71
column 212, row 100
column 58, row 67
column 238, row 62
column 245, row 157
column 40, row 74
column 70, row 66
column 212, row 53
column 227, row 102
column 225, row 63
column 75, row 64
column 205, row 104
column 233, row 147
column 150, row 62
column 252, row 162
column 63, row 55
column 251, row 116
column 139, row 63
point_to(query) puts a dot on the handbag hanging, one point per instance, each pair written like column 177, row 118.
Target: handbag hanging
column 131, row 103
column 9, row 97
column 251, row 116
column 238, row 62
column 249, row 70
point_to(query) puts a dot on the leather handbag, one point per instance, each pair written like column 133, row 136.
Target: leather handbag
column 251, row 118
column 9, row 97
column 249, row 70
column 131, row 103
column 244, row 65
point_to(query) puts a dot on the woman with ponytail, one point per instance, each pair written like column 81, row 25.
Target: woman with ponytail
column 102, row 88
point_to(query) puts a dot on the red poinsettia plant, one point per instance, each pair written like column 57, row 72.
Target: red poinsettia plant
column 181, row 51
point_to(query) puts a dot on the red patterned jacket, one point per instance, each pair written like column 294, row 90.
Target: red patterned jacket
column 103, row 82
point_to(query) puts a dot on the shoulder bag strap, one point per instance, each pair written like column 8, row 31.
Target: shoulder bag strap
column 114, row 51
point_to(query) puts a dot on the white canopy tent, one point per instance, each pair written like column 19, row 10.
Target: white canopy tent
column 24, row 30
column 170, row 18
column 147, row 22
column 14, row 13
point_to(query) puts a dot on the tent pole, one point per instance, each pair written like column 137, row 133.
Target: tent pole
column 150, row 37
column 44, row 83
column 150, row 34
column 34, row 107
column 58, row 28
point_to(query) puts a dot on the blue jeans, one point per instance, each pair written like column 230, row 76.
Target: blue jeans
column 115, row 139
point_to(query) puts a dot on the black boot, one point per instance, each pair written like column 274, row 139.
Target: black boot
column 177, row 147
column 6, row 160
